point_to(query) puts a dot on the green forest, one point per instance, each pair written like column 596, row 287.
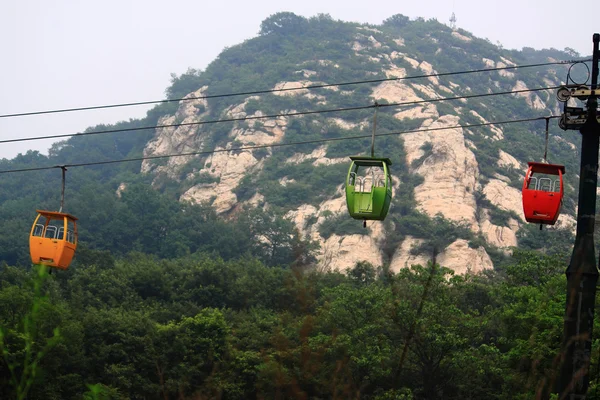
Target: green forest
column 202, row 327
column 167, row 299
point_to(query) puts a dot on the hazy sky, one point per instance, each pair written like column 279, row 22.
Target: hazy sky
column 61, row 54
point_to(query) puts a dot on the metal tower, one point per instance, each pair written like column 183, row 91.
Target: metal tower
column 453, row 21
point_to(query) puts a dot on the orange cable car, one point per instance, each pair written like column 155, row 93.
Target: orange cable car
column 53, row 239
column 53, row 236
column 543, row 194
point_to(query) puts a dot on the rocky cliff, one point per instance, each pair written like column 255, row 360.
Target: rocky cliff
column 466, row 177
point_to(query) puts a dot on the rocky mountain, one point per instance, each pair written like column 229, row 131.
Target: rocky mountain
column 456, row 189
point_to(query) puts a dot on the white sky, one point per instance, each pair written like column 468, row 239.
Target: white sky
column 62, row 54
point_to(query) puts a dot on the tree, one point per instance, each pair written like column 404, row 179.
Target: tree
column 397, row 20
column 571, row 52
column 283, row 23
column 22, row 350
column 277, row 241
column 189, row 351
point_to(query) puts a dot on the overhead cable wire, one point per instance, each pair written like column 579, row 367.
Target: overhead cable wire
column 274, row 145
column 291, row 114
column 309, row 87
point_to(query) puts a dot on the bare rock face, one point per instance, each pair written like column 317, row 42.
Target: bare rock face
column 395, row 72
column 122, row 187
column 318, row 155
column 413, row 63
column 338, row 252
column 532, row 99
column 462, row 259
column 296, row 89
column 229, row 169
column 458, row 257
column 566, row 221
column 496, row 130
column 427, row 111
column 450, row 171
column 301, row 216
column 427, row 68
column 461, row 37
column 342, row 123
column 227, row 165
column 399, row 41
column 291, row 85
column 395, row 92
column 271, row 132
column 507, row 161
column 403, row 258
column 503, row 72
column 179, row 139
column 503, row 196
column 334, row 206
column 503, row 237
column 488, row 63
column 428, row 90
column 343, row 252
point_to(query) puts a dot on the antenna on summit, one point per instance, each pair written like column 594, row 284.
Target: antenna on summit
column 453, row 18
column 453, row 21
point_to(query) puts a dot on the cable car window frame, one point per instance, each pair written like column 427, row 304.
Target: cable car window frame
column 366, row 180
column 70, row 236
column 352, row 178
column 545, row 184
column 38, row 230
column 554, row 189
column 532, row 183
column 50, row 228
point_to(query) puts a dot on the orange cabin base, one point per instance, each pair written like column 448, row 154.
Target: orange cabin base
column 543, row 195
column 48, row 243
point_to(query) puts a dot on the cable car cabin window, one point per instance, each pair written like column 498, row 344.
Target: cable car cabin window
column 367, row 184
column 60, row 235
column 38, row 230
column 70, row 232
column 50, row 232
column 54, row 229
column 368, row 179
column 544, row 183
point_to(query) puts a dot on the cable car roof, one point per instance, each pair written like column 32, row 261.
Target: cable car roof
column 546, row 168
column 56, row 214
column 370, row 161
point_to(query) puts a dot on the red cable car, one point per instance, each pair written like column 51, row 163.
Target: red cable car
column 543, row 192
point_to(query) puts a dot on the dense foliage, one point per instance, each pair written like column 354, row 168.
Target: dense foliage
column 203, row 327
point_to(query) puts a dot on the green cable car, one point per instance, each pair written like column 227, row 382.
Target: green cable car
column 369, row 188
column 369, row 184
